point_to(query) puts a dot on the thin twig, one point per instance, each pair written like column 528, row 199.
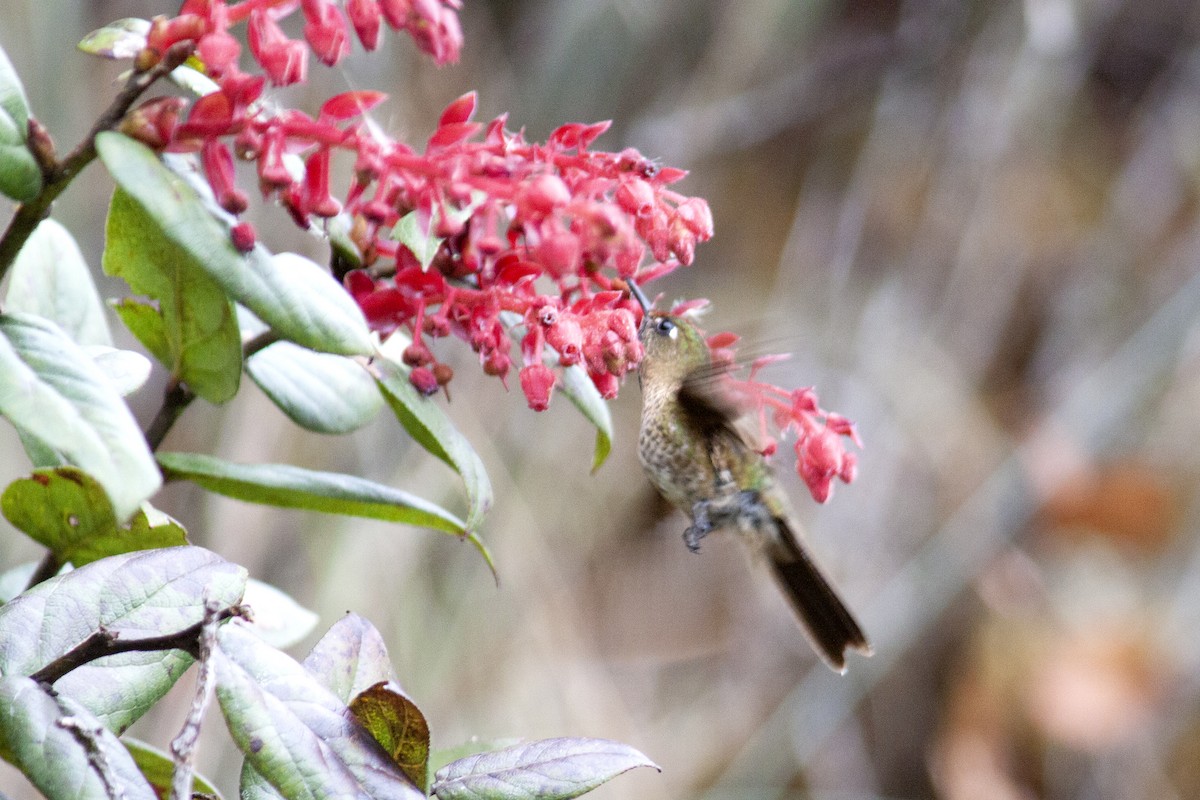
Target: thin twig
column 183, row 746
column 46, row 569
column 104, row 642
column 58, row 176
column 176, row 398
column 88, row 737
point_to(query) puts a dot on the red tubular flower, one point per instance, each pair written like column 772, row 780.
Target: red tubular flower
column 365, row 16
column 217, row 162
column 325, row 30
column 316, row 197
column 537, row 382
column 284, row 60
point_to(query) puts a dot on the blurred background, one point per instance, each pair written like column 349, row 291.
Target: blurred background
column 976, row 225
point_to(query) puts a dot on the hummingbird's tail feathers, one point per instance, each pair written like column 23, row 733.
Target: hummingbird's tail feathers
column 825, row 618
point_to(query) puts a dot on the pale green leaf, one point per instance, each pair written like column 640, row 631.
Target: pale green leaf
column 318, row 391
column 51, row 279
column 52, row 389
column 292, row 487
column 59, row 746
column 198, row 326
column 550, row 769
column 285, row 722
column 295, row 297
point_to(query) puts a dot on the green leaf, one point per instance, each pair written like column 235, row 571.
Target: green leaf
column 51, row 279
column 158, row 768
column 146, row 323
column 278, row 619
column 12, row 95
column 193, row 80
column 292, row 487
column 117, row 40
column 294, row 296
column 51, row 389
column 126, row 370
column 550, row 769
column 350, row 658
column 136, row 595
column 423, row 245
column 59, row 509
column 428, row 424
column 286, row 723
column 195, row 320
column 67, row 511
column 398, row 725
column 318, row 391
column 580, row 390
column 20, row 175
column 253, row 786
column 64, row 751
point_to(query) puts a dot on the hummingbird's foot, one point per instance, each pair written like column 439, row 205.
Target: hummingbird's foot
column 701, row 526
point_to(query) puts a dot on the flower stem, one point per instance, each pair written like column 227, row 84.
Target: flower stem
column 58, row 175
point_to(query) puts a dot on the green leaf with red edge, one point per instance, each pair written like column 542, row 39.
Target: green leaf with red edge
column 284, row 722
column 57, row 744
column 580, row 390
column 135, row 595
column 193, row 331
column 67, row 511
column 432, row 429
column 120, row 39
column 52, row 391
column 550, row 769
column 292, row 487
column 51, row 279
column 398, row 725
column 297, row 298
column 158, row 768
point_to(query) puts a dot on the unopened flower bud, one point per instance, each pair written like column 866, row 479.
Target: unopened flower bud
column 537, row 382
column 424, row 380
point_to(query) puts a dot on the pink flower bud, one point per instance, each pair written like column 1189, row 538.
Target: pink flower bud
column 566, row 337
column 542, row 195
column 606, row 383
column 424, row 379
column 243, row 237
column 697, row 216
column 636, row 196
column 537, row 382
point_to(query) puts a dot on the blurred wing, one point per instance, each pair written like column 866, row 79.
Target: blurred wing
column 711, row 407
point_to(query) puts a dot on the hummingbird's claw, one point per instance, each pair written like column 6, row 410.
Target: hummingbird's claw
column 701, row 526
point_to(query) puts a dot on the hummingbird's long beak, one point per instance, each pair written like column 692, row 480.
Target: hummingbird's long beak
column 638, row 295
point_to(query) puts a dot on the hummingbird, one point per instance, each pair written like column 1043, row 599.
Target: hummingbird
column 695, row 454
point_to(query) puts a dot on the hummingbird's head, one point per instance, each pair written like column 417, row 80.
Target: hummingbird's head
column 673, row 347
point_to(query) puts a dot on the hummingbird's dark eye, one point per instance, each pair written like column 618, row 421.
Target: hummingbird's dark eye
column 665, row 326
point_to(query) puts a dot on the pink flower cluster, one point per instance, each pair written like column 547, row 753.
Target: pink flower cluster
column 821, row 455
column 518, row 240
